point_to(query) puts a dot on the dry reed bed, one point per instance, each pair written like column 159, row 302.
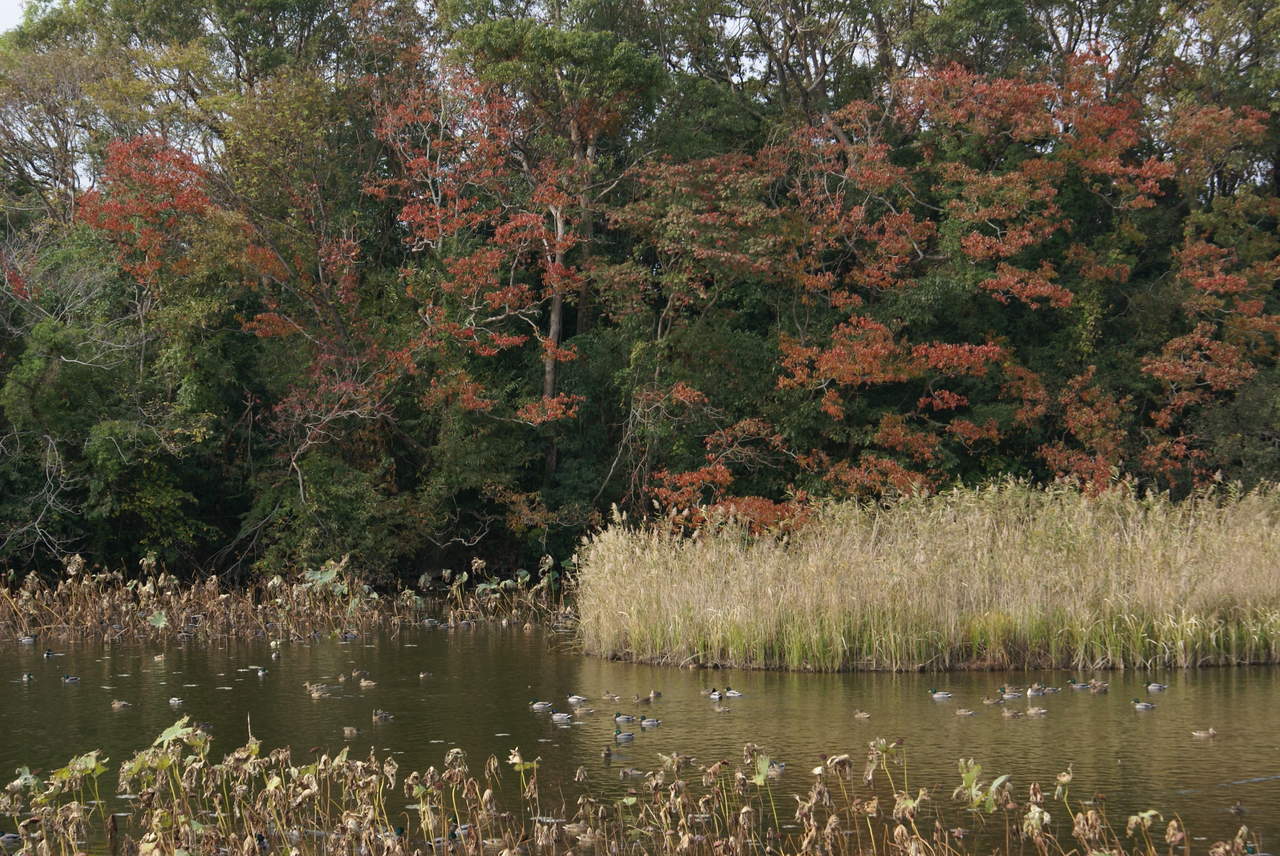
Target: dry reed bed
column 106, row 605
column 252, row 801
column 1005, row 576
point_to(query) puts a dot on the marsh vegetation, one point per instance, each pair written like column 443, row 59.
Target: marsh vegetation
column 1007, row 576
column 184, row 798
column 88, row 603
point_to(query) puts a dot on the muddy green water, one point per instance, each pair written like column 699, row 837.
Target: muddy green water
column 482, row 680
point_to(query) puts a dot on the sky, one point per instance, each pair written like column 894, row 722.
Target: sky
column 10, row 14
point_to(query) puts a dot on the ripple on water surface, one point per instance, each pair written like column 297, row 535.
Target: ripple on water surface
column 473, row 688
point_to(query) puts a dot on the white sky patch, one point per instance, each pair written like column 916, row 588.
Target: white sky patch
column 10, row 13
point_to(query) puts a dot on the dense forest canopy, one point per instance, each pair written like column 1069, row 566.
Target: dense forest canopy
column 290, row 279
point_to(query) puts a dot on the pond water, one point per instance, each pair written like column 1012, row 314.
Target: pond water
column 481, row 681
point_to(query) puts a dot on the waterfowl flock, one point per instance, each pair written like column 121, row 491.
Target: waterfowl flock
column 577, row 708
column 579, row 713
column 635, row 716
column 1006, row 694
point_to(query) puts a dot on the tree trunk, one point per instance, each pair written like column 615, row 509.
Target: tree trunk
column 555, row 328
column 549, row 363
column 586, row 158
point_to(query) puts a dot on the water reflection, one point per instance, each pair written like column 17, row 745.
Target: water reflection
column 478, row 684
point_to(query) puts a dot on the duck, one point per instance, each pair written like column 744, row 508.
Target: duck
column 639, row 699
column 70, row 679
column 49, row 652
column 10, row 840
column 1037, row 711
column 383, row 716
column 1077, row 685
column 1035, row 690
column 607, row 754
column 1139, row 704
column 964, row 711
column 576, row 699
column 861, row 714
column 991, row 700
column 776, row 769
column 365, row 683
column 1007, row 693
column 1010, row 713
column 715, row 694
column 1098, row 687
column 650, row 722
column 1203, row 735
column 350, row 732
column 655, row 694
column 27, row 677
column 1156, row 687
column 262, row 672
column 422, row 676
column 589, row 841
column 27, row 640
column 939, row 694
column 174, row 701
column 561, row 717
column 574, row 828
column 623, row 717
column 608, row 696
column 730, row 692
column 119, row 704
column 540, row 705
column 621, row 736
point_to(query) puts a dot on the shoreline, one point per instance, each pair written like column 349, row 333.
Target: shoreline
column 959, row 668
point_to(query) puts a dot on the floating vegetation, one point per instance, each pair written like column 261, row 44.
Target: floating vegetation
column 1006, row 576
column 182, row 799
column 329, row 601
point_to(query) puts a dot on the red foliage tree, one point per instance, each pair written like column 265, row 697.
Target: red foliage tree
column 150, row 197
column 1227, row 269
column 497, row 227
column 979, row 205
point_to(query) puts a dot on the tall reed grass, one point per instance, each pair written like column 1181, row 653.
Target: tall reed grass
column 1000, row 577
